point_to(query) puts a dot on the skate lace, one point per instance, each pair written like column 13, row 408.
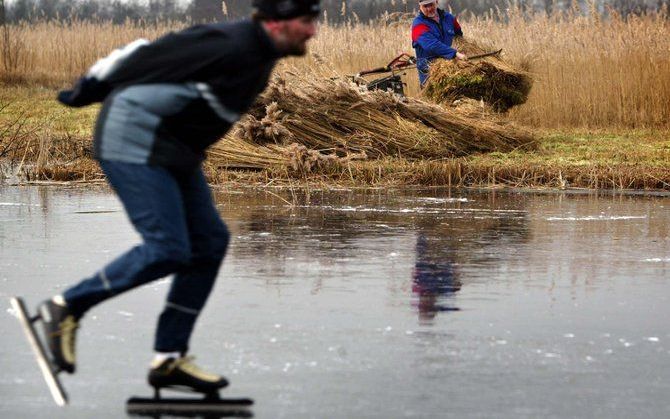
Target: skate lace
column 186, row 364
column 67, row 331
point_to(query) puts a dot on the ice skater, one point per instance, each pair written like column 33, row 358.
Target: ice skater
column 164, row 103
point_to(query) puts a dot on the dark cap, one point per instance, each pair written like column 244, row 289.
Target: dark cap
column 286, row 9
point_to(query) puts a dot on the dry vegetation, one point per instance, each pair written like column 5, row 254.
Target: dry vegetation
column 488, row 79
column 589, row 73
column 335, row 119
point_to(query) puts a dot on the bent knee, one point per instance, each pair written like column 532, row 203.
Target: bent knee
column 216, row 243
column 219, row 241
column 171, row 253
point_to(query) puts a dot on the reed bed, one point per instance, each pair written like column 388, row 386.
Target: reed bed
column 461, row 172
column 588, row 71
column 489, row 79
column 313, row 122
column 53, row 54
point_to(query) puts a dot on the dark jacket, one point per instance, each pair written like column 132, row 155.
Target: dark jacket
column 432, row 40
column 171, row 99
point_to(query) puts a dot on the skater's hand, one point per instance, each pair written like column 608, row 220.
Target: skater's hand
column 460, row 56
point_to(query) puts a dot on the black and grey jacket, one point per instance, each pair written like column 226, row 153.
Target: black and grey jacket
column 165, row 102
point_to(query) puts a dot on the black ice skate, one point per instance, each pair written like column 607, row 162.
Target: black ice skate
column 60, row 333
column 183, row 374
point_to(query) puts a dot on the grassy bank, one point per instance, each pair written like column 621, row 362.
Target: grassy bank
column 569, row 159
column 41, row 140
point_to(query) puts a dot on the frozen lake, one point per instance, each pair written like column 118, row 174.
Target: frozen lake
column 370, row 304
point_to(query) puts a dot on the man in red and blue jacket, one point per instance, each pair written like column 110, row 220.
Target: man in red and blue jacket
column 432, row 33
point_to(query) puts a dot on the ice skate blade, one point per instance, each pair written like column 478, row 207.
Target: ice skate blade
column 49, row 371
column 183, row 407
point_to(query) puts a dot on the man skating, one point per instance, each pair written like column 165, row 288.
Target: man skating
column 165, row 102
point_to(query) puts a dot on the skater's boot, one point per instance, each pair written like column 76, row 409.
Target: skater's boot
column 60, row 331
column 183, row 373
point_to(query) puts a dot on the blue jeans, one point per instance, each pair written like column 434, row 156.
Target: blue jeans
column 182, row 234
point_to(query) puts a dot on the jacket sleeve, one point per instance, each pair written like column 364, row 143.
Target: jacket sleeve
column 190, row 56
column 422, row 36
column 175, row 58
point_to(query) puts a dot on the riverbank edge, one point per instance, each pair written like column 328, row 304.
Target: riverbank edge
column 389, row 173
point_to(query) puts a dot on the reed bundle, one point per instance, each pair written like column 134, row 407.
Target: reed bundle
column 489, row 79
column 306, row 122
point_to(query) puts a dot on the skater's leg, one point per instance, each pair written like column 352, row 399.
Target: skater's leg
column 189, row 291
column 193, row 282
column 153, row 201
column 152, row 198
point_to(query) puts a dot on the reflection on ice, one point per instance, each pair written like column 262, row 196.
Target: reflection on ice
column 598, row 218
column 441, row 200
column 16, row 204
column 435, row 278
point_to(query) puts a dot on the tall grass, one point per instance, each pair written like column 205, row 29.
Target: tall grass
column 53, row 53
column 589, row 71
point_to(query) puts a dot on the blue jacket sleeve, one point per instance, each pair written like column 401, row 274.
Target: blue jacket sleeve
column 430, row 43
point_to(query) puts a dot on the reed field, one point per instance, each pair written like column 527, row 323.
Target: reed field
column 595, row 81
column 589, row 71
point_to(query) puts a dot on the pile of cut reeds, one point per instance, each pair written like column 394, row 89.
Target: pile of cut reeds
column 308, row 123
column 489, row 79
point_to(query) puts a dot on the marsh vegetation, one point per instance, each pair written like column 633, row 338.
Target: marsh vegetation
column 598, row 104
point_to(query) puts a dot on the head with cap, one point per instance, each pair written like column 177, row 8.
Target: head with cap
column 428, row 8
column 289, row 23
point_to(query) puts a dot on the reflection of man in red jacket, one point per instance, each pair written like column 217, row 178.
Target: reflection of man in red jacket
column 433, row 30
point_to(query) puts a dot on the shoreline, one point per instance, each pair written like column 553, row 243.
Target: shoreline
column 629, row 161
column 310, row 185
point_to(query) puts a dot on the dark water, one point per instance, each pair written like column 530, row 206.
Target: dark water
column 376, row 304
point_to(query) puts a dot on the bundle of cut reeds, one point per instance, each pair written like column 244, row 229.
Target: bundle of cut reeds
column 489, row 79
column 308, row 123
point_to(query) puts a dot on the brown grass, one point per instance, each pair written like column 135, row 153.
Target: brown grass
column 333, row 120
column 490, row 79
column 53, row 54
column 630, row 160
column 462, row 172
column 589, row 71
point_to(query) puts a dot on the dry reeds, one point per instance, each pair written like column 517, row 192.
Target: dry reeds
column 588, row 71
column 488, row 79
column 55, row 53
column 307, row 122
